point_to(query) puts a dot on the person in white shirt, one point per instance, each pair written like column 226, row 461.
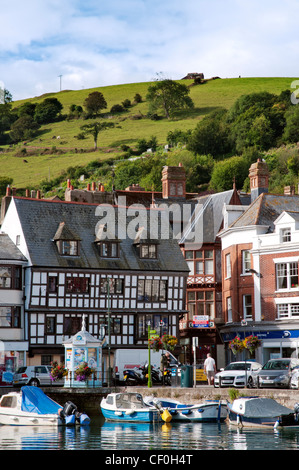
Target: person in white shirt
column 210, row 369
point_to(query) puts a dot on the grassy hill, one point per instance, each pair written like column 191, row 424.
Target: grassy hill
column 46, row 156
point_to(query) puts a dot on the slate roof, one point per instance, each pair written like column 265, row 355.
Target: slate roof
column 41, row 219
column 8, row 250
column 266, row 209
column 208, row 215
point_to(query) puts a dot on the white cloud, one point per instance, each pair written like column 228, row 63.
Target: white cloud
column 95, row 42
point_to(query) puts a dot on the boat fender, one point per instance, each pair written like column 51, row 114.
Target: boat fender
column 239, row 421
column 166, row 416
column 84, row 419
column 70, row 420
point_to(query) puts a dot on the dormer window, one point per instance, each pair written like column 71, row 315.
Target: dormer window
column 148, row 251
column 109, row 249
column 67, row 241
column 69, row 247
column 286, row 235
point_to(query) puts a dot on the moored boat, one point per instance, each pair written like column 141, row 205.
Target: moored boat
column 211, row 411
column 261, row 412
column 31, row 407
column 128, row 407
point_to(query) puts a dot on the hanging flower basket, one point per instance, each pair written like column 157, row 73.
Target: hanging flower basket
column 236, row 345
column 251, row 343
column 58, row 371
column 169, row 342
column 83, row 372
column 155, row 344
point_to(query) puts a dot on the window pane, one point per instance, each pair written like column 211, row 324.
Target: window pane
column 191, row 267
column 209, row 267
column 208, row 254
column 199, row 267
column 5, row 277
column 188, row 254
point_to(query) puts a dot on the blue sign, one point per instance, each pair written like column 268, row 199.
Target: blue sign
column 263, row 335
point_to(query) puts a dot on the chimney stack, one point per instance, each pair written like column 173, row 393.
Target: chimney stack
column 173, row 182
column 259, row 178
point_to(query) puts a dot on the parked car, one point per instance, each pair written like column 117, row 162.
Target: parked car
column 277, row 373
column 34, row 375
column 234, row 375
column 294, row 383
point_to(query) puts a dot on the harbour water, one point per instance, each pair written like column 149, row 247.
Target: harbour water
column 105, row 436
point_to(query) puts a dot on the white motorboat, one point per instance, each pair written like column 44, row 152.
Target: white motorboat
column 262, row 412
column 31, row 407
column 128, row 407
column 207, row 411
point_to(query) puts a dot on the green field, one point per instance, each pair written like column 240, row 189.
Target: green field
column 27, row 169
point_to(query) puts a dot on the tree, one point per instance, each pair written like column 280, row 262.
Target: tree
column 291, row 130
column 226, row 170
column 95, row 102
column 169, row 96
column 23, row 128
column 47, row 111
column 95, row 128
column 211, row 135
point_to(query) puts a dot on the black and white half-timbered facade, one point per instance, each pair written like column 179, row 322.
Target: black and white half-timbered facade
column 98, row 261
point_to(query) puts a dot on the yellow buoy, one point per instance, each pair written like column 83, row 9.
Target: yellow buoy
column 166, row 416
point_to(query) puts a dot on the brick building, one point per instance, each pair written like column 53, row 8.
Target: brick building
column 260, row 254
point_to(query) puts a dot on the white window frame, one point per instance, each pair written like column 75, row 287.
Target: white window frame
column 286, row 235
column 229, row 310
column 246, row 306
column 228, row 266
column 291, row 270
column 246, row 262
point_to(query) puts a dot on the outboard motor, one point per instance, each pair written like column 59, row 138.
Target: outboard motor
column 69, row 412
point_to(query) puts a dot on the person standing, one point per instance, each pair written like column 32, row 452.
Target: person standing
column 164, row 365
column 210, row 369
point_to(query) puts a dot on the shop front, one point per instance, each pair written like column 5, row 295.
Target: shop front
column 275, row 343
column 12, row 356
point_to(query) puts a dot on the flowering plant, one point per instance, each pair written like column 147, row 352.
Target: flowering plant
column 57, row 371
column 155, row 343
column 83, row 372
column 169, row 342
column 236, row 345
column 251, row 343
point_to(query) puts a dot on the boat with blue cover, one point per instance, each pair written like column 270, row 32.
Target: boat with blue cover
column 128, row 407
column 32, row 407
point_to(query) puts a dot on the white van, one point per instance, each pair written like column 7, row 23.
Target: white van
column 131, row 358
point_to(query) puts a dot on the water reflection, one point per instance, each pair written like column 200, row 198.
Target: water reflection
column 101, row 435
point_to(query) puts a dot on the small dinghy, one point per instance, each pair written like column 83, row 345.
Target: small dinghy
column 209, row 411
column 31, row 407
column 128, row 407
column 262, row 412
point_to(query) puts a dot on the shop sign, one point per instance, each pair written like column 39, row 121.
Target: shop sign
column 201, row 321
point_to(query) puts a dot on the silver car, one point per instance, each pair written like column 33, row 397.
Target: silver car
column 34, row 375
column 277, row 373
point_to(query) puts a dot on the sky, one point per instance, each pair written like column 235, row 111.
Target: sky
column 48, row 45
